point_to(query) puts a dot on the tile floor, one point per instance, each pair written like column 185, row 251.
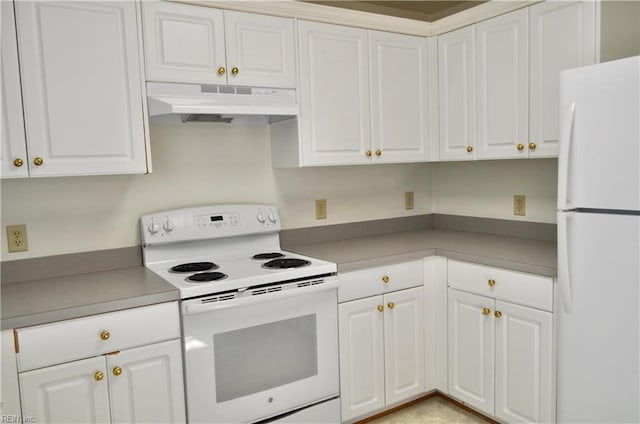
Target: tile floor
column 432, row 410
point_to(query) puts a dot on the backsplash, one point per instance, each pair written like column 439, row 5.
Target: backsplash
column 195, row 164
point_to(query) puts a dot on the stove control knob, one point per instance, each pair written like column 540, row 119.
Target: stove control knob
column 272, row 217
column 168, row 226
column 154, row 227
column 261, row 218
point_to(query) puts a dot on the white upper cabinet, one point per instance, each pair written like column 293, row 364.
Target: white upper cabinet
column 194, row 44
column 260, row 50
column 516, row 59
column 364, row 98
column 502, row 52
column 456, row 86
column 82, row 87
column 184, row 43
column 399, row 97
column 562, row 36
column 13, row 150
column 334, row 95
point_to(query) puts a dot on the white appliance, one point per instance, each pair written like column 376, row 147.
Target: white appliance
column 598, row 313
column 220, row 103
column 260, row 327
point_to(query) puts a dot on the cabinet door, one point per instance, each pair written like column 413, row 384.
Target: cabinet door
column 261, row 49
column 67, row 393
column 13, row 150
column 334, row 94
column 471, row 344
column 404, row 344
column 82, row 88
column 146, row 384
column 184, row 43
column 399, row 104
column 524, row 383
column 361, row 356
column 456, row 86
column 502, row 58
column 562, row 37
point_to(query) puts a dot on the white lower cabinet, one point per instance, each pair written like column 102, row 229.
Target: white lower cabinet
column 142, row 384
column 381, row 342
column 500, row 353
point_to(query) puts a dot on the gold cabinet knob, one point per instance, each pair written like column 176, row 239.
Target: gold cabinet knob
column 497, row 314
column 378, row 152
column 98, row 376
column 486, row 311
column 532, row 146
column 380, row 308
column 385, row 278
column 235, row 70
column 105, row 335
column 391, row 305
column 491, row 283
column 18, row 162
column 221, row 70
column 368, row 153
column 38, row 161
column 520, row 147
column 469, row 149
column 117, row 371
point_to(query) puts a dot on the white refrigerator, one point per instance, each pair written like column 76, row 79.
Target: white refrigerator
column 598, row 306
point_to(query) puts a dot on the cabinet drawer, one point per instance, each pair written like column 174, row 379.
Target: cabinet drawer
column 517, row 287
column 63, row 341
column 380, row 280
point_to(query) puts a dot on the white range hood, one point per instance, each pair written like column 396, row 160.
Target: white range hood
column 220, row 103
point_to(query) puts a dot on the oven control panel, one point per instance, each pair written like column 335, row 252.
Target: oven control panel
column 208, row 222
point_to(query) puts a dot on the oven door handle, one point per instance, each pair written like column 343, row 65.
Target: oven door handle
column 190, row 307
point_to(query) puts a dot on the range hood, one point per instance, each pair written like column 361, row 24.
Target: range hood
column 178, row 102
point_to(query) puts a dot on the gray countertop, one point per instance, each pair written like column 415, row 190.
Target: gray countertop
column 525, row 255
column 54, row 299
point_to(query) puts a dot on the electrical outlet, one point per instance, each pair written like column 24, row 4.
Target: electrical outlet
column 519, row 204
column 17, row 238
column 321, row 208
column 408, row 200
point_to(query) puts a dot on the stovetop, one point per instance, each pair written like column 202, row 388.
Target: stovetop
column 241, row 272
column 222, row 240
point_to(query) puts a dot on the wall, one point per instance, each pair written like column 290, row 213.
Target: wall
column 486, row 188
column 620, row 29
column 196, row 164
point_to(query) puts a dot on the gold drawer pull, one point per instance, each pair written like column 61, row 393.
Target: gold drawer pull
column 221, row 70
column 497, row 314
column 520, row 147
column 380, row 308
column 391, row 305
column 105, row 335
column 117, row 371
column 38, row 161
column 469, row 149
column 98, row 376
column 486, row 311
column 491, row 283
column 18, row 162
column 235, row 70
column 385, row 279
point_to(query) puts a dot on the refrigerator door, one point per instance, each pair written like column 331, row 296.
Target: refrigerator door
column 599, row 161
column 598, row 358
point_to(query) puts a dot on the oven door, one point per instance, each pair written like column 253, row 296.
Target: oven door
column 254, row 357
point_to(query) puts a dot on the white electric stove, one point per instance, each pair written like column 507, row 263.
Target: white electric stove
column 260, row 330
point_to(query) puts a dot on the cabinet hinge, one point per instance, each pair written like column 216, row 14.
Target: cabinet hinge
column 16, row 344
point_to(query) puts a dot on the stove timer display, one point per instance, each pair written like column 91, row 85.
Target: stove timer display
column 217, row 221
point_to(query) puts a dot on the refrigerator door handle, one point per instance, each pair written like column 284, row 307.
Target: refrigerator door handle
column 566, row 137
column 564, row 275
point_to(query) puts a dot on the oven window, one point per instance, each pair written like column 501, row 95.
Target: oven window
column 253, row 359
